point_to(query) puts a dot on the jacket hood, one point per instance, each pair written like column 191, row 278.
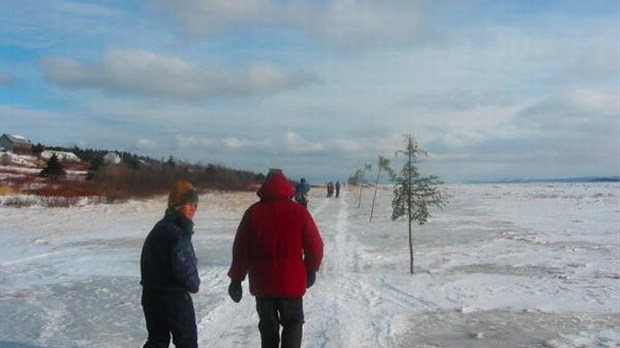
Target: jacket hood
column 275, row 186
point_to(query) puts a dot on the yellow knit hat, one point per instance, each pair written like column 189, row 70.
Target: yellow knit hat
column 182, row 192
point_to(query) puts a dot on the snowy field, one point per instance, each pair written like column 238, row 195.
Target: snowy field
column 534, row 265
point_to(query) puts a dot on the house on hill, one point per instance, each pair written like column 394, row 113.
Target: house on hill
column 111, row 158
column 61, row 155
column 15, row 143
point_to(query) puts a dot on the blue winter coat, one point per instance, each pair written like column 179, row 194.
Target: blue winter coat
column 168, row 259
column 301, row 193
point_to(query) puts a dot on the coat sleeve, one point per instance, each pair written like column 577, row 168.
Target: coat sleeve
column 313, row 245
column 184, row 264
column 240, row 251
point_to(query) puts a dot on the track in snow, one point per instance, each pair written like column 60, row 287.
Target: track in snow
column 343, row 309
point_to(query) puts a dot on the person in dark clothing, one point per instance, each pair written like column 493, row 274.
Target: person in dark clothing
column 279, row 247
column 330, row 189
column 301, row 192
column 337, row 189
column 169, row 273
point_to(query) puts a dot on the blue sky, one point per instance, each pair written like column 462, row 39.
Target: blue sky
column 490, row 89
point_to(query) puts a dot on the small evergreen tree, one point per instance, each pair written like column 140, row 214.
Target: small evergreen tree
column 54, row 168
column 414, row 194
column 259, row 177
column 383, row 164
column 171, row 162
column 359, row 179
column 95, row 164
column 37, row 149
column 130, row 160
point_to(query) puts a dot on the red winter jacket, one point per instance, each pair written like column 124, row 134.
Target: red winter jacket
column 277, row 240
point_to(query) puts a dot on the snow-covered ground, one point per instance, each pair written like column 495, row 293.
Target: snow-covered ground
column 534, row 265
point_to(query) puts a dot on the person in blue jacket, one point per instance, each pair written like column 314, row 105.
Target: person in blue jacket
column 169, row 273
column 301, row 192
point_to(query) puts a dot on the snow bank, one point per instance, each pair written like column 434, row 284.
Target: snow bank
column 501, row 266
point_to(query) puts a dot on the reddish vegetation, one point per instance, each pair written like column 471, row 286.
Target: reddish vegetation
column 111, row 183
column 77, row 166
column 25, row 184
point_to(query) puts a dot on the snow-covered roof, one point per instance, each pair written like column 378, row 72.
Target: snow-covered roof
column 17, row 139
column 62, row 155
column 112, row 158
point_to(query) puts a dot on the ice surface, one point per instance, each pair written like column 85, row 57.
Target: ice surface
column 519, row 265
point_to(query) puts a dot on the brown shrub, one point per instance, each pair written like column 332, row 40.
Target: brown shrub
column 8, row 191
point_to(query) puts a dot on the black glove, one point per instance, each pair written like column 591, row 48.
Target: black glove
column 235, row 291
column 310, row 278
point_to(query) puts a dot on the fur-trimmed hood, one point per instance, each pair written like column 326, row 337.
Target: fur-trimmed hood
column 275, row 186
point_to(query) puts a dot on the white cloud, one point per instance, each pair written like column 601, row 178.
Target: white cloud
column 290, row 143
column 339, row 23
column 145, row 73
column 362, row 24
column 223, row 145
column 345, row 145
column 189, row 142
column 595, row 100
column 297, row 144
column 487, row 94
column 201, row 17
column 458, row 130
column 235, row 143
column 43, row 25
column 147, row 144
column 64, row 128
column 579, row 113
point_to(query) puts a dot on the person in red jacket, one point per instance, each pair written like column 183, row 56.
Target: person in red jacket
column 279, row 246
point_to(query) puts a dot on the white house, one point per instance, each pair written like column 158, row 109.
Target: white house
column 111, row 158
column 62, row 155
column 15, row 143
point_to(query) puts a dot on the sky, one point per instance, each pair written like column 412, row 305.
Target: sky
column 489, row 89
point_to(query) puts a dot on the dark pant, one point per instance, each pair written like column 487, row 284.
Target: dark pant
column 169, row 313
column 276, row 311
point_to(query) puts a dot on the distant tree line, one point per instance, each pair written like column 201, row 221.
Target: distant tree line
column 142, row 176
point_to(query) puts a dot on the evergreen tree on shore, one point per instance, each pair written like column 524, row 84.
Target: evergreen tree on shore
column 414, row 193
column 54, row 168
